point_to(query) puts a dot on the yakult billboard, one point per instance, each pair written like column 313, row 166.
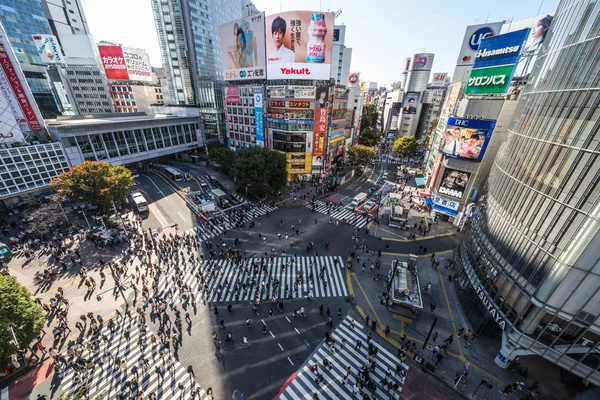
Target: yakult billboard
column 299, row 45
column 125, row 63
column 243, row 48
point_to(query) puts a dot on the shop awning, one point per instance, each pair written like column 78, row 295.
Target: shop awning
column 420, row 181
column 445, row 210
column 428, row 200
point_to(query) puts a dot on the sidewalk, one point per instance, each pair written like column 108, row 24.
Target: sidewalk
column 480, row 355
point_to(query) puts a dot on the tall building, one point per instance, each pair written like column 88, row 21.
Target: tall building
column 417, row 79
column 529, row 267
column 188, row 33
column 341, row 56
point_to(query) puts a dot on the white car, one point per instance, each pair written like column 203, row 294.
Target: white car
column 369, row 205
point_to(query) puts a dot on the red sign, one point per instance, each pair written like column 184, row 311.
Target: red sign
column 17, row 87
column 114, row 63
column 277, row 103
column 320, row 126
column 298, row 104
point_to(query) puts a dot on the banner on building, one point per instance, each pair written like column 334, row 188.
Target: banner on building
column 422, row 62
column 243, row 48
column 454, row 183
column 299, row 45
column 473, row 37
column 232, row 94
column 452, row 97
column 320, row 120
column 49, row 49
column 303, row 92
column 467, row 138
column 125, row 63
column 411, row 102
column 259, row 121
column 491, row 80
column 501, row 50
column 439, row 79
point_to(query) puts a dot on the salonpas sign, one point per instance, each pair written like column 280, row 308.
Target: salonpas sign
column 491, row 80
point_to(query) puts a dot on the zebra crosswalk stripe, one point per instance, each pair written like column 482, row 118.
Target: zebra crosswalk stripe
column 303, row 386
column 333, row 275
column 110, row 380
column 340, row 214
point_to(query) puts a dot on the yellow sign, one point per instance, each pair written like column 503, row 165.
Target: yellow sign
column 337, row 139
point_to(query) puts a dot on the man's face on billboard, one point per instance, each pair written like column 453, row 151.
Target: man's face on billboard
column 278, row 38
column 455, row 180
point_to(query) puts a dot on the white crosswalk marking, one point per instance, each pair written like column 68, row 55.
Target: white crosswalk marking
column 111, row 379
column 303, row 386
column 207, row 232
column 342, row 214
column 222, row 276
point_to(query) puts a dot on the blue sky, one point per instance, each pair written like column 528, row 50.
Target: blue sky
column 382, row 33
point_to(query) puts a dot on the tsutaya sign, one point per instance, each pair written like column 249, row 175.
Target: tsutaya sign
column 491, row 308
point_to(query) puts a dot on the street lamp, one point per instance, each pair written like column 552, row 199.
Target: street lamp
column 86, row 220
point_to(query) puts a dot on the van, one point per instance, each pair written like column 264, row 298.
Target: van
column 359, row 199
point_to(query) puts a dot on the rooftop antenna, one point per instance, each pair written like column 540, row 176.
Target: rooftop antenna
column 488, row 17
column 540, row 9
column 337, row 13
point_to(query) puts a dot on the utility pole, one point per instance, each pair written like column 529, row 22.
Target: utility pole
column 429, row 333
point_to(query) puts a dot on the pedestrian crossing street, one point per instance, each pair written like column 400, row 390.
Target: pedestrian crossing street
column 303, row 386
column 333, row 284
column 341, row 214
column 217, row 227
column 110, row 380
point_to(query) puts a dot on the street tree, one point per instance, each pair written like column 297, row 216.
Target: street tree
column 369, row 137
column 369, row 117
column 361, row 155
column 224, row 157
column 19, row 312
column 258, row 167
column 95, row 182
column 405, row 146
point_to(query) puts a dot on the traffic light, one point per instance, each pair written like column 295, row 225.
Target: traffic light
column 404, row 327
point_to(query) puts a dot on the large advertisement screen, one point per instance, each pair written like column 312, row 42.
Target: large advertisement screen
column 500, row 50
column 411, row 102
column 125, row 63
column 452, row 98
column 467, row 138
column 299, row 45
column 454, row 183
column 243, row 48
column 473, row 36
column 320, row 120
column 49, row 49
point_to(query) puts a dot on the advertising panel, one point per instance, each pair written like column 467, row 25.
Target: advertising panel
column 467, row 138
column 411, row 102
column 124, row 63
column 277, row 103
column 259, row 121
column 317, row 161
column 407, row 64
column 500, row 50
column 452, row 205
column 422, row 62
column 276, row 92
column 336, row 35
column 336, row 136
column 394, row 123
column 49, row 49
column 439, row 79
column 232, row 94
column 11, row 83
column 303, row 92
column 491, row 80
column 299, row 45
column 473, row 36
column 353, row 79
column 243, row 48
column 299, row 104
column 320, row 120
column 454, row 183
column 452, row 95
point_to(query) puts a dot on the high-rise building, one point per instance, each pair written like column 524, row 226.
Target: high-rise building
column 417, row 79
column 341, row 56
column 529, row 267
column 188, row 33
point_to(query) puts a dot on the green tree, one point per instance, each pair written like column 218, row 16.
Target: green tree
column 258, row 167
column 225, row 158
column 19, row 311
column 369, row 117
column 95, row 182
column 406, row 146
column 369, row 137
column 360, row 154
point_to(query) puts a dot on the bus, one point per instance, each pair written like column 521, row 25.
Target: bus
column 171, row 172
column 140, row 202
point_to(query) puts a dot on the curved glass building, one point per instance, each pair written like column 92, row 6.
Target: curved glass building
column 529, row 265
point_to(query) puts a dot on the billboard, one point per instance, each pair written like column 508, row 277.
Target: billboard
column 411, row 102
column 467, row 138
column 422, row 62
column 320, row 120
column 394, row 123
column 277, row 92
column 243, row 48
column 49, row 49
column 491, row 80
column 232, row 94
column 453, row 205
column 407, row 64
column 500, row 50
column 353, row 79
column 259, row 121
column 125, row 63
column 452, row 98
column 299, row 45
column 473, row 36
column 439, row 79
column 303, row 92
column 12, row 83
column 454, row 183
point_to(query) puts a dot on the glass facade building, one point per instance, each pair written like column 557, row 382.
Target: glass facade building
column 528, row 267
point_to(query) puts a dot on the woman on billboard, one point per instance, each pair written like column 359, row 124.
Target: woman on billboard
column 471, row 149
column 322, row 97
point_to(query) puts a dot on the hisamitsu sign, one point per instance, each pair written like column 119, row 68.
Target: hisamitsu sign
column 501, row 50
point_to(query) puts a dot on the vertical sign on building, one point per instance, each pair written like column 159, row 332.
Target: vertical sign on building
column 18, row 99
column 320, row 120
column 259, row 121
